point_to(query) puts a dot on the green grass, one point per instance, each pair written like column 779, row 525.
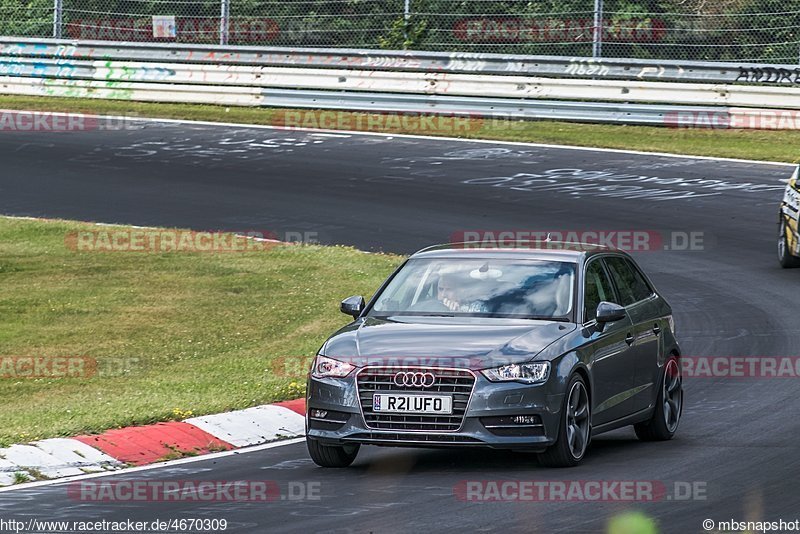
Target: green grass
column 747, row 144
column 21, row 478
column 174, row 334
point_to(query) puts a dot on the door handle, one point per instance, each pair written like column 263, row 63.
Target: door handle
column 656, row 329
column 630, row 339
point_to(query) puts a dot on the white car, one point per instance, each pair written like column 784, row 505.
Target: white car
column 789, row 234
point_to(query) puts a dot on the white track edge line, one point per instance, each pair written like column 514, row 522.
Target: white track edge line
column 159, row 465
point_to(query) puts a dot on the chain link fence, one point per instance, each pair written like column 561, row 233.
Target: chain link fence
column 704, row 30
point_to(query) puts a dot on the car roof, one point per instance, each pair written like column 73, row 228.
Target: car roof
column 550, row 251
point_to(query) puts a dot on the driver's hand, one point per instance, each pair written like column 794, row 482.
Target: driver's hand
column 450, row 305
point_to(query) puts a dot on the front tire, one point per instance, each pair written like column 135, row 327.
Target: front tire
column 669, row 406
column 574, row 431
column 331, row 455
column 785, row 257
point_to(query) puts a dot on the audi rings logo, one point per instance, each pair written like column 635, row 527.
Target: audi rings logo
column 410, row 379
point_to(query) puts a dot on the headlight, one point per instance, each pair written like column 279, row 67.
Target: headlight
column 529, row 373
column 325, row 367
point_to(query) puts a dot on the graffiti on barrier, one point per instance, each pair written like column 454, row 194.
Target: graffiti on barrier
column 586, row 67
column 136, row 74
column 768, row 75
column 465, row 62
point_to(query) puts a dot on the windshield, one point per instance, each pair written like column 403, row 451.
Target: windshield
column 474, row 287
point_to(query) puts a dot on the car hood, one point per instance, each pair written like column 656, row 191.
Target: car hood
column 443, row 342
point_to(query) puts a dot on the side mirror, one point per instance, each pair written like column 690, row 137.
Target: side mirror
column 352, row 306
column 608, row 312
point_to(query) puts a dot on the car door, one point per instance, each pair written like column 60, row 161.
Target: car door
column 640, row 302
column 610, row 360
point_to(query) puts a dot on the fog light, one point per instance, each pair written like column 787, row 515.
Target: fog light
column 526, row 419
column 319, row 414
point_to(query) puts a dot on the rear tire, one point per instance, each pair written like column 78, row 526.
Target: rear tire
column 785, row 257
column 331, row 455
column 669, row 406
column 575, row 429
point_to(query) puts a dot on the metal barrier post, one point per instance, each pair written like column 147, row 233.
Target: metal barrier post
column 224, row 21
column 597, row 37
column 406, row 18
column 58, row 13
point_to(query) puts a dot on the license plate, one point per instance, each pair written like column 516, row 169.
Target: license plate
column 382, row 402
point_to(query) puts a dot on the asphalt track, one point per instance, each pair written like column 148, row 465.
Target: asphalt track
column 738, row 438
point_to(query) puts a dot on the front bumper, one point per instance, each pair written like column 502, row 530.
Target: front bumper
column 488, row 418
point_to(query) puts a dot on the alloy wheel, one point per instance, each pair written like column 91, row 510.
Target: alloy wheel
column 672, row 395
column 578, row 420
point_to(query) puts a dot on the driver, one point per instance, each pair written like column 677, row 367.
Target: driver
column 450, row 294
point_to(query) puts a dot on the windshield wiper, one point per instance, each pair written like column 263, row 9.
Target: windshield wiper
column 544, row 318
column 412, row 314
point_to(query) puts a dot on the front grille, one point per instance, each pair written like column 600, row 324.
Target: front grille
column 454, row 382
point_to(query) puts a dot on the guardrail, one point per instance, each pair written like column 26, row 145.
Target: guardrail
column 411, row 61
column 622, row 91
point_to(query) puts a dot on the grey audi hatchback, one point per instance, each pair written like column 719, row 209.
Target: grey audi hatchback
column 518, row 348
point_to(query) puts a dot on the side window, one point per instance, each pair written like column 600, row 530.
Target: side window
column 597, row 289
column 630, row 282
column 641, row 289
